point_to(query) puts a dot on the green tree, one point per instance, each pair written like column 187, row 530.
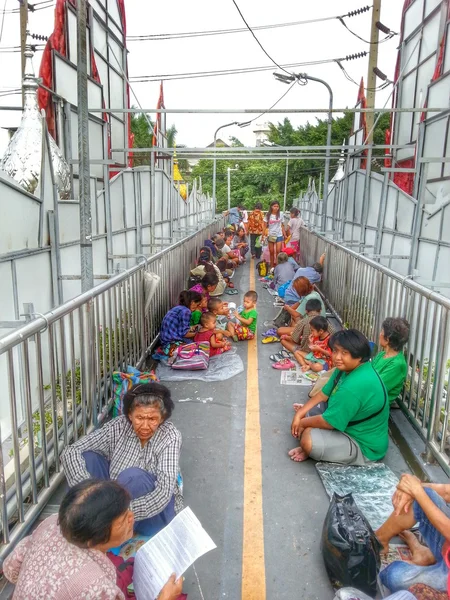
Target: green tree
column 263, row 180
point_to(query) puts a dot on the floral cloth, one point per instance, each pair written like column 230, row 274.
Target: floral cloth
column 45, row 566
column 256, row 222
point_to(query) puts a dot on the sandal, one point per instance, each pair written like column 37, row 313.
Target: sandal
column 284, row 365
column 231, row 291
column 270, row 339
column 282, row 354
column 271, row 331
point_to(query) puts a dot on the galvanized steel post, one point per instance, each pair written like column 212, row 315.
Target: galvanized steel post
column 87, row 270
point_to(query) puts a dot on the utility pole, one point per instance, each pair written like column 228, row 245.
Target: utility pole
column 23, row 38
column 87, row 269
column 373, row 60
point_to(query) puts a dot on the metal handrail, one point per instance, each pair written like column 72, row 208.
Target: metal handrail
column 362, row 293
column 64, row 386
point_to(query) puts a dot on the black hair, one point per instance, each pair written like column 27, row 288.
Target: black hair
column 269, row 212
column 88, row 509
column 396, row 331
column 258, row 206
column 206, row 317
column 353, row 341
column 148, row 394
column 251, row 295
column 219, row 242
column 294, row 211
column 319, row 323
column 241, row 206
column 189, row 296
column 318, row 267
column 213, row 303
column 209, row 279
column 313, row 304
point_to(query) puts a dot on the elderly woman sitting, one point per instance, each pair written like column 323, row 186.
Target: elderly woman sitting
column 65, row 558
column 141, row 450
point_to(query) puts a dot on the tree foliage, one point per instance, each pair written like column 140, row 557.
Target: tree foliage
column 264, row 180
column 142, row 127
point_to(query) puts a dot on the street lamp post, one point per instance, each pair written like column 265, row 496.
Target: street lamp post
column 229, row 169
column 286, row 175
column 215, row 163
column 304, row 77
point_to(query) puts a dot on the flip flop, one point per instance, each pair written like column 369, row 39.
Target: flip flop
column 284, row 365
column 270, row 339
column 271, row 331
column 281, row 355
column 231, row 291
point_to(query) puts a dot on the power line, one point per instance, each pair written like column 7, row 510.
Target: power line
column 237, row 71
column 3, row 19
column 33, row 7
column 273, row 106
column 192, row 34
column 389, row 36
column 257, row 41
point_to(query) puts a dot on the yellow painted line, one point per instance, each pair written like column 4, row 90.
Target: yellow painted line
column 253, row 564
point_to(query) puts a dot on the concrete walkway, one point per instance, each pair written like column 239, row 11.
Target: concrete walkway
column 276, row 556
column 263, row 511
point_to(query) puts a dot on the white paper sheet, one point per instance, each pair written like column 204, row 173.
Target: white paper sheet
column 172, row 550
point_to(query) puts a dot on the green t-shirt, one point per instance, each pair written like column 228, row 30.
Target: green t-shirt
column 392, row 371
column 312, row 296
column 196, row 315
column 249, row 314
column 358, row 395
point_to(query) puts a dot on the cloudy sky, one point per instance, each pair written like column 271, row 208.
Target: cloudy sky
column 302, row 43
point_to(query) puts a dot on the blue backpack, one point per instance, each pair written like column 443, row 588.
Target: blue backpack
column 282, row 289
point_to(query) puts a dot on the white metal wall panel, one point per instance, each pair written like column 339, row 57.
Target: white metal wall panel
column 434, row 145
column 430, row 5
column 413, row 17
column 21, row 213
column 6, row 295
column 66, row 80
column 116, row 196
column 438, row 95
column 69, row 222
column 430, row 36
column 130, row 207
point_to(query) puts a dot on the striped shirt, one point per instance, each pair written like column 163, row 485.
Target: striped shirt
column 119, row 444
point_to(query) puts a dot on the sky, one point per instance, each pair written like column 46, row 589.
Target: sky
column 301, row 43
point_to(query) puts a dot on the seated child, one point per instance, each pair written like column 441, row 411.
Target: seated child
column 291, row 253
column 208, row 333
column 298, row 338
column 319, row 356
column 220, row 310
column 284, row 271
column 245, row 329
column 196, row 314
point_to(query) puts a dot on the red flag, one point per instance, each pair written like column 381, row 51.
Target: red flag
column 157, row 127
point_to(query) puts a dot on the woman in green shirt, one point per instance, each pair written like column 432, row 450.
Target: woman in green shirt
column 354, row 427
column 390, row 363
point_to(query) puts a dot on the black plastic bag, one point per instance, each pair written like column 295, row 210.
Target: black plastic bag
column 350, row 549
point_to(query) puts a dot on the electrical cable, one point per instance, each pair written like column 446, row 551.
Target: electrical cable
column 192, row 34
column 237, row 71
column 257, row 41
column 3, row 19
column 390, row 35
column 34, row 7
column 347, row 76
column 273, row 106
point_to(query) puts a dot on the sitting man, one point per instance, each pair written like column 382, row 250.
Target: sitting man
column 425, row 504
column 353, row 429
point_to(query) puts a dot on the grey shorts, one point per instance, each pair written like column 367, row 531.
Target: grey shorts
column 335, row 446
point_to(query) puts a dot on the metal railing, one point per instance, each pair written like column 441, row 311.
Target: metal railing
column 362, row 293
column 62, row 386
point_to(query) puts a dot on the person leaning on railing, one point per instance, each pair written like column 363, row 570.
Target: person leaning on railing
column 141, row 450
column 353, row 429
column 65, row 557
